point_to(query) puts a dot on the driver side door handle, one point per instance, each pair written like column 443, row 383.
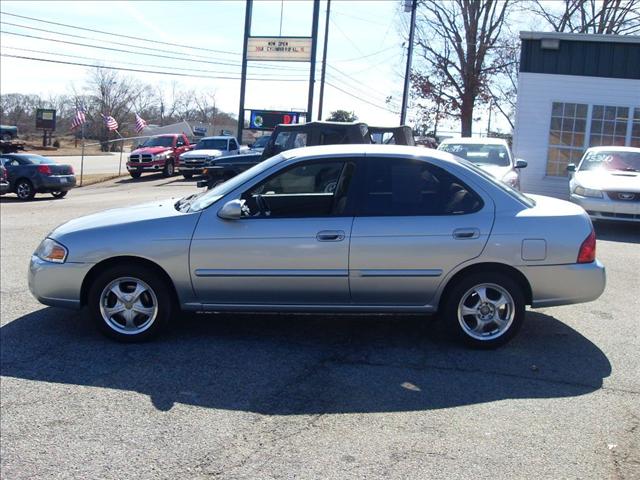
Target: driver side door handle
column 330, row 236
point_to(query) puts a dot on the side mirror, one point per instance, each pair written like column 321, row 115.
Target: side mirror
column 521, row 163
column 231, row 210
column 571, row 167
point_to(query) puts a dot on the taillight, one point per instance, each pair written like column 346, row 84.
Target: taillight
column 44, row 169
column 587, row 253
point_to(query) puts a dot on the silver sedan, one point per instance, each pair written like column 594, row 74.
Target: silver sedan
column 347, row 228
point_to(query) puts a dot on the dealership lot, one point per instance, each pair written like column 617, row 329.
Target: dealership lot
column 271, row 396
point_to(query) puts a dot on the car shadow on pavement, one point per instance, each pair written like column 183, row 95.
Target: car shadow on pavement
column 617, row 231
column 305, row 364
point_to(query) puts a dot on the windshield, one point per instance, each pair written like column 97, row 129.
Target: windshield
column 262, row 142
column 479, row 153
column 611, row 160
column 159, row 142
column 501, row 185
column 203, row 200
column 212, row 144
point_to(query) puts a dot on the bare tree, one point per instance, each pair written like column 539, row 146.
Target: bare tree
column 457, row 41
column 618, row 17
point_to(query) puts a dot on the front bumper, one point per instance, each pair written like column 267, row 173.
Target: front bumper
column 4, row 188
column 154, row 166
column 57, row 284
column 607, row 209
column 553, row 285
column 56, row 183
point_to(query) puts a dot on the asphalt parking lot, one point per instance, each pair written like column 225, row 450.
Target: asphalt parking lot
column 298, row 396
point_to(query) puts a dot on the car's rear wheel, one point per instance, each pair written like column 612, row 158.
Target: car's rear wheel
column 485, row 310
column 135, row 174
column 130, row 303
column 25, row 190
column 59, row 194
column 169, row 169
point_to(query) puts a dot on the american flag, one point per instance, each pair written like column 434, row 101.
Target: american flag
column 140, row 123
column 79, row 119
column 110, row 122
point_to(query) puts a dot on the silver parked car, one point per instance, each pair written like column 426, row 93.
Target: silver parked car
column 606, row 183
column 493, row 155
column 345, row 228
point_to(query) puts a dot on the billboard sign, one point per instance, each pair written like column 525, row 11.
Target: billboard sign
column 46, row 119
column 282, row 49
column 268, row 119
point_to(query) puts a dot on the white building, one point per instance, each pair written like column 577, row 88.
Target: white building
column 574, row 91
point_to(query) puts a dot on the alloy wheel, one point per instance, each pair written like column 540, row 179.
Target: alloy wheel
column 128, row 305
column 486, row 311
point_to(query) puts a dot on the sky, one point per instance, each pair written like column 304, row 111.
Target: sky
column 365, row 59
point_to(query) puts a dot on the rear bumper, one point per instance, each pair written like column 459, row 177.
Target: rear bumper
column 56, row 183
column 4, row 188
column 607, row 209
column 553, row 285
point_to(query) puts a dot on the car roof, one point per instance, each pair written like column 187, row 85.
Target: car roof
column 217, row 137
column 613, row 149
column 370, row 150
column 476, row 141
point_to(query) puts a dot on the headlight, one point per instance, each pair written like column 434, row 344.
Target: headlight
column 587, row 192
column 51, row 251
column 161, row 156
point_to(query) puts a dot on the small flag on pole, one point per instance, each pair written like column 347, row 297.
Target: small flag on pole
column 110, row 122
column 140, row 124
column 79, row 119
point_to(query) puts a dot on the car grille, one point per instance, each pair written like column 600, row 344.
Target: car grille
column 627, row 216
column 624, row 196
column 140, row 158
column 194, row 162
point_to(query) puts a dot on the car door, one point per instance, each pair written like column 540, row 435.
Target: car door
column 290, row 247
column 233, row 147
column 414, row 224
column 180, row 146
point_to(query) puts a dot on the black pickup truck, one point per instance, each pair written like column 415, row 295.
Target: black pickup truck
column 287, row 137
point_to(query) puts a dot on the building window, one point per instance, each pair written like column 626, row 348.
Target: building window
column 635, row 129
column 566, row 136
column 608, row 126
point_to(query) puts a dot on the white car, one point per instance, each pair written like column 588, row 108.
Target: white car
column 606, row 183
column 493, row 155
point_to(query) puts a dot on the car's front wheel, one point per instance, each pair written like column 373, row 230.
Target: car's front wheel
column 485, row 310
column 169, row 169
column 25, row 190
column 187, row 176
column 130, row 303
column 135, row 174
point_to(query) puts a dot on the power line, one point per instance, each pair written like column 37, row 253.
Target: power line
column 121, row 35
column 361, row 99
column 358, row 84
column 122, row 62
column 56, row 40
column 365, row 56
column 146, row 71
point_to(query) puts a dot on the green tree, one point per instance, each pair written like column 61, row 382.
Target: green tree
column 342, row 116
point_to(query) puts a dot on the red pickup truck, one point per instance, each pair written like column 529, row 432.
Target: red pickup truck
column 158, row 154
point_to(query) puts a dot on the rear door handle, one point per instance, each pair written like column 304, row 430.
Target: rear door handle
column 466, row 233
column 330, row 236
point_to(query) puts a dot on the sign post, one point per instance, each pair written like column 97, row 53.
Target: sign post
column 82, row 154
column 243, row 76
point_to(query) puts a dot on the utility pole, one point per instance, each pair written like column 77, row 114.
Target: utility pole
column 243, row 76
column 324, row 60
column 405, row 95
column 314, row 49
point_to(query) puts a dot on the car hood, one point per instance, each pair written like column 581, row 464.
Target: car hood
column 202, row 153
column 150, row 150
column 602, row 180
column 496, row 171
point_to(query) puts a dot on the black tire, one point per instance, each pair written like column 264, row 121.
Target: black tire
column 169, row 169
column 24, row 190
column 135, row 174
column 161, row 297
column 461, row 327
column 6, row 137
column 187, row 176
column 60, row 194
